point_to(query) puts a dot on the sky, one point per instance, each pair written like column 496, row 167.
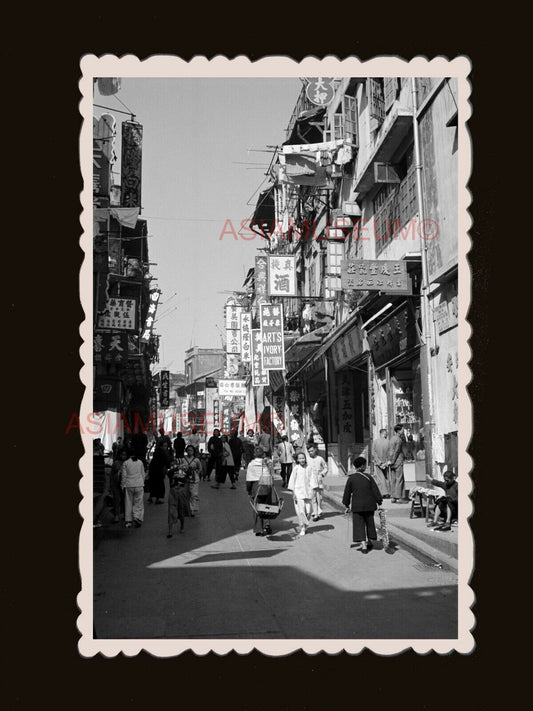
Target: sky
column 198, row 172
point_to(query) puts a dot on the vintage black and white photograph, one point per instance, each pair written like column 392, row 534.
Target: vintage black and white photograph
column 275, row 417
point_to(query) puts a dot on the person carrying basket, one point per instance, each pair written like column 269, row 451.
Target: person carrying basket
column 264, row 498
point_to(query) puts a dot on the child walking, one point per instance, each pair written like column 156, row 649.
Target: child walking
column 362, row 497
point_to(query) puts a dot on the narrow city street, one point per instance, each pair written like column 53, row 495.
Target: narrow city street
column 219, row 580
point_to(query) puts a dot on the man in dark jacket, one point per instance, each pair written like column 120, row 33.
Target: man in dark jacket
column 215, row 449
column 397, row 481
column 362, row 497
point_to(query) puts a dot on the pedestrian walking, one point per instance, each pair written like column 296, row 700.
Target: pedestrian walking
column 318, row 469
column 194, row 439
column 178, row 496
column 156, row 471
column 362, row 497
column 228, row 465
column 260, row 489
column 190, row 465
column 286, row 458
column 237, row 451
column 300, row 485
column 215, row 450
column 380, row 454
column 248, row 445
column 179, row 446
column 395, row 459
column 132, row 477
column 115, row 487
column 265, row 441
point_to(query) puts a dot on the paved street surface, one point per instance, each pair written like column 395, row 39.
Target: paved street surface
column 219, row 580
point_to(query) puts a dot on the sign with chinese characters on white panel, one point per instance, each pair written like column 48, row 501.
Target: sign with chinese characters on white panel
column 282, row 275
column 383, row 275
column 232, row 388
column 233, row 341
column 271, row 317
column 246, row 337
column 259, row 376
column 119, row 314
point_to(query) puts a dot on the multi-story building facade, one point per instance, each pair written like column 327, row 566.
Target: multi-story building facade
column 368, row 184
column 124, row 298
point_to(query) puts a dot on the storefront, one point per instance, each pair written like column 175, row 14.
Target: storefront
column 396, row 384
column 351, row 433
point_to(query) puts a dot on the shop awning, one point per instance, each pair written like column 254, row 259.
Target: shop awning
column 304, row 131
column 304, row 346
column 264, row 214
column 393, row 131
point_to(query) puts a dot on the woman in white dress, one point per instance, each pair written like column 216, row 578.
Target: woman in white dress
column 302, row 492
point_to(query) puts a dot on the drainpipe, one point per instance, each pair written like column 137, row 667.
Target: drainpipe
column 424, row 295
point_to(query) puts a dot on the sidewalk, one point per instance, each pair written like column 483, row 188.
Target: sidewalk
column 411, row 532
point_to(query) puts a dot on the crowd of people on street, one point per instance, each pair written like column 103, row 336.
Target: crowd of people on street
column 135, row 468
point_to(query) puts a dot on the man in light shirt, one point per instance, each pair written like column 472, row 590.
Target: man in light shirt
column 132, row 477
column 317, row 471
column 286, row 458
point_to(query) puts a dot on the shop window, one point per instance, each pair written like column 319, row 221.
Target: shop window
column 376, row 102
column 343, row 124
column 395, row 204
column 390, row 92
column 406, row 405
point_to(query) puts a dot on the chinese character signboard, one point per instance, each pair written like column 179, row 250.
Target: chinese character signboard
column 320, row 91
column 271, row 317
column 164, row 398
column 103, row 154
column 119, row 314
column 347, row 347
column 232, row 365
column 394, row 336
column 132, row 135
column 383, row 275
column 345, row 413
column 150, row 316
column 294, row 401
column 216, row 414
column 261, row 276
column 282, row 276
column 246, row 337
column 110, row 347
column 232, row 315
column 259, row 376
column 232, row 388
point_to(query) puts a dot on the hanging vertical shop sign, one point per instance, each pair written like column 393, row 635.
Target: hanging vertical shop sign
column 110, row 347
column 132, row 133
column 216, row 414
column 164, row 396
column 119, row 314
column 282, row 276
column 273, row 352
column 259, row 376
column 232, row 365
column 150, row 316
column 103, row 155
column 347, row 348
column 261, row 276
column 278, row 409
column 232, row 314
column 293, row 394
column 246, row 336
column 346, row 407
column 320, row 91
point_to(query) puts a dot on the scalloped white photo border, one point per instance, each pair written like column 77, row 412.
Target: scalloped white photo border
column 162, row 66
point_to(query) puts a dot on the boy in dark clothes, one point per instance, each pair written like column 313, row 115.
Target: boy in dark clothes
column 446, row 505
column 362, row 497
